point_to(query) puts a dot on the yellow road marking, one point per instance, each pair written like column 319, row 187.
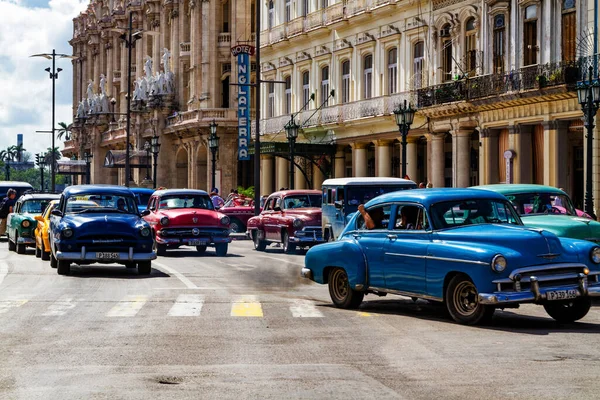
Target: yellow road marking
column 128, row 307
column 365, row 314
column 246, row 306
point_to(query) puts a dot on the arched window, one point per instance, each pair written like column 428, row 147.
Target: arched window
column 325, row 86
column 345, row 81
column 446, row 61
column 499, row 43
column 368, row 76
column 569, row 30
column 392, row 68
column 271, row 19
column 471, row 47
column 305, row 88
column 530, row 46
column 288, row 94
column 417, row 67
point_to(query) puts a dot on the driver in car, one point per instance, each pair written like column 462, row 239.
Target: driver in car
column 121, row 205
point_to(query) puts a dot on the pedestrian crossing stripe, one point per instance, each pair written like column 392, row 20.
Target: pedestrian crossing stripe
column 6, row 305
column 187, row 305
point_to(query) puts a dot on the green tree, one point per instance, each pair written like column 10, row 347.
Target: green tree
column 64, row 130
column 19, row 149
column 53, row 156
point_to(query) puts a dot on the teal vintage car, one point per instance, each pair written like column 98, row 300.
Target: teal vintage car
column 21, row 223
column 548, row 208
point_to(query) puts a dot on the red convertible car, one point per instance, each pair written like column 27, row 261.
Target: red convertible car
column 291, row 217
column 239, row 209
column 181, row 217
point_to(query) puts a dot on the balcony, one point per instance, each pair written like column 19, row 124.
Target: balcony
column 113, row 136
column 334, row 13
column 69, row 146
column 277, row 34
column 314, row 20
column 295, row 27
column 185, row 49
column 203, row 115
column 224, row 39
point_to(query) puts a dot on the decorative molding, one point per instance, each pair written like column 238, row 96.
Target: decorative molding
column 321, row 51
column 389, row 30
column 174, row 13
column 364, row 37
column 342, row 44
column 285, row 61
column 302, row 56
column 439, row 4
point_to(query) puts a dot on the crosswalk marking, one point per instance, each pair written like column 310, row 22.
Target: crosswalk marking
column 187, row 305
column 246, row 306
column 305, row 309
column 6, row 305
column 60, row 306
column 128, row 307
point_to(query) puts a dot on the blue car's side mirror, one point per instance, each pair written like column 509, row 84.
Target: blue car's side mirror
column 57, row 213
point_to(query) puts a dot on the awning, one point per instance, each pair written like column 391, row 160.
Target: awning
column 71, row 167
column 137, row 159
column 281, row 149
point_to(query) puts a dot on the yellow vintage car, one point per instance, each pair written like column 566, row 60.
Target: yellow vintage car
column 42, row 245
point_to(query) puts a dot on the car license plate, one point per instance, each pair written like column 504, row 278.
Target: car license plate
column 196, row 242
column 561, row 294
column 107, row 256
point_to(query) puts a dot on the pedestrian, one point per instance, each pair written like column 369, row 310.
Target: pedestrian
column 422, row 185
column 216, row 199
column 6, row 207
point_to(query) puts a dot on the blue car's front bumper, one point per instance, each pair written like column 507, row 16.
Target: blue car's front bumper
column 93, row 256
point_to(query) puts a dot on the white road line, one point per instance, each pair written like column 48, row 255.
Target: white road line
column 281, row 259
column 187, row 305
column 6, row 305
column 3, row 270
column 177, row 274
column 305, row 309
column 128, row 307
column 60, row 306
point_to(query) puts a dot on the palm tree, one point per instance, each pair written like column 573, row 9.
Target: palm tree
column 64, row 130
column 13, row 152
column 49, row 155
column 19, row 152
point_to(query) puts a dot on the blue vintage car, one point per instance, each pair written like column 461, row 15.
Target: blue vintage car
column 99, row 224
column 466, row 248
column 142, row 196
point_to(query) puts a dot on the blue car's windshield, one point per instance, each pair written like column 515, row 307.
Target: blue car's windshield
column 450, row 214
column 90, row 203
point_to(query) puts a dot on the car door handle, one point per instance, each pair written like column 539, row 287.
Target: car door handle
column 392, row 237
column 356, row 236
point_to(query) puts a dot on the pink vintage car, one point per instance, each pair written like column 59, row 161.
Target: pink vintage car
column 239, row 209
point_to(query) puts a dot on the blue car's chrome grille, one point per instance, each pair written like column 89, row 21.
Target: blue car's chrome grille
column 547, row 276
column 108, row 242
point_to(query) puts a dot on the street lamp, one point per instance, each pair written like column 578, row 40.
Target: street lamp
column 213, row 145
column 404, row 118
column 88, row 160
column 291, row 132
column 42, row 165
column 147, row 147
column 155, row 150
column 588, row 94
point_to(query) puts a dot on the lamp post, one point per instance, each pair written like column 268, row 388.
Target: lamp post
column 404, row 118
column 88, row 172
column 155, row 150
column 588, row 94
column 291, row 132
column 147, row 147
column 42, row 168
column 213, row 145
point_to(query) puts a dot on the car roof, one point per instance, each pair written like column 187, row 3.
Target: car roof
column 432, row 196
column 15, row 184
column 39, row 196
column 514, row 188
column 97, row 189
column 285, row 193
column 142, row 190
column 366, row 181
column 164, row 192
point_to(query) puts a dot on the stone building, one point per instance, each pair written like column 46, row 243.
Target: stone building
column 490, row 79
column 197, row 36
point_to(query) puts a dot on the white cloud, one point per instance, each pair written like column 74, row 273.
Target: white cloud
column 25, row 88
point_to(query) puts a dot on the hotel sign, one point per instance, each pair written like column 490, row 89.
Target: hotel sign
column 242, row 54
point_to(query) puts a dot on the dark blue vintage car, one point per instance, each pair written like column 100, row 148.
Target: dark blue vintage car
column 99, row 224
column 466, row 248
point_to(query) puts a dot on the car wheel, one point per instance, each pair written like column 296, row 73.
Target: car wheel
column 288, row 248
column 63, row 267
column 259, row 245
column 144, row 267
column 161, row 249
column 221, row 249
column 236, row 226
column 570, row 310
column 43, row 253
column 342, row 295
column 38, row 253
column 53, row 260
column 20, row 246
column 201, row 249
column 462, row 302
column 11, row 245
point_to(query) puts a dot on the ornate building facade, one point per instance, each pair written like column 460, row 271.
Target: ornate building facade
column 493, row 82
column 181, row 70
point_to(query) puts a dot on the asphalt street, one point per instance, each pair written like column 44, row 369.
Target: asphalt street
column 247, row 326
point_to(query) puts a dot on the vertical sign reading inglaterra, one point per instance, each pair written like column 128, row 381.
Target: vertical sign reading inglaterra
column 242, row 54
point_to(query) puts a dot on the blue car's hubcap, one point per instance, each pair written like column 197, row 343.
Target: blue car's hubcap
column 340, row 284
column 465, row 298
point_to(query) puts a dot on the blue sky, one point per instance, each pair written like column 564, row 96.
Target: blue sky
column 30, row 27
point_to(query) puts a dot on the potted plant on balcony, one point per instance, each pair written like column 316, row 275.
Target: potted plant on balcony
column 542, row 81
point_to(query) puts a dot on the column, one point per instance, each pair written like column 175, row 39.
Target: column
column 520, row 140
column 266, row 170
column 359, row 159
column 282, row 173
column 411, row 158
column 489, row 163
column 299, row 179
column 436, row 176
column 340, row 163
column 317, row 178
column 110, row 51
column 462, row 157
column 551, row 166
column 383, row 158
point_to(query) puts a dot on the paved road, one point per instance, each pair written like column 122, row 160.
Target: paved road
column 246, row 326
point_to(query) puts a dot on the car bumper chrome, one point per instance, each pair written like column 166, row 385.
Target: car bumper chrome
column 91, row 256
column 307, row 273
column 538, row 294
column 186, row 241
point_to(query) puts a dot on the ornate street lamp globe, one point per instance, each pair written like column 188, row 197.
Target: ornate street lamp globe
column 596, row 91
column 87, row 157
column 213, row 139
column 409, row 115
column 582, row 91
column 291, row 130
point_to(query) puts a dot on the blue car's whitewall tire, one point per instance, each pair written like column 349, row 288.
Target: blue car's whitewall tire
column 342, row 295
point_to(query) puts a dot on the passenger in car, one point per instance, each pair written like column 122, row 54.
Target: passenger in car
column 408, row 218
column 374, row 219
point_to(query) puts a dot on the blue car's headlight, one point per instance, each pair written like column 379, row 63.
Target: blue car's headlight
column 145, row 231
column 595, row 255
column 498, row 263
column 66, row 233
